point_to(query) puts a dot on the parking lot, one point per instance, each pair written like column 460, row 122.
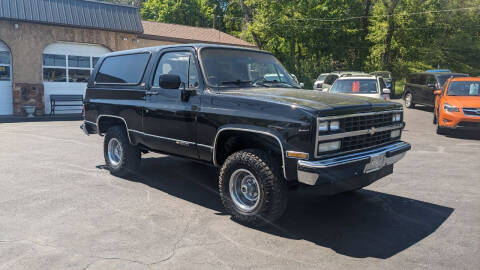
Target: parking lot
column 60, row 209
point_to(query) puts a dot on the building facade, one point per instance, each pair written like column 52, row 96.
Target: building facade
column 51, row 47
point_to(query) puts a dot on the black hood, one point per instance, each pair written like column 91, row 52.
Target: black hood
column 314, row 100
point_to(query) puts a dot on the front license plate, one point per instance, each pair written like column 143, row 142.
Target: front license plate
column 375, row 164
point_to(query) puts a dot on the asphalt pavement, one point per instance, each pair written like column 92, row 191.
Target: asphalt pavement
column 60, row 209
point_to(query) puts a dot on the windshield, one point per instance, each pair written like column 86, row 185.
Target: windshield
column 443, row 78
column 233, row 67
column 464, row 89
column 354, row 86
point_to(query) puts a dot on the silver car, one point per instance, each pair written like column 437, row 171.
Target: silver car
column 366, row 85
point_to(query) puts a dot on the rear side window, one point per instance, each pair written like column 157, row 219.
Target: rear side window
column 431, row 80
column 330, row 79
column 410, row 78
column 123, row 69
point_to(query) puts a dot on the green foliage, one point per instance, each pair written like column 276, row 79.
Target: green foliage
column 315, row 36
column 193, row 12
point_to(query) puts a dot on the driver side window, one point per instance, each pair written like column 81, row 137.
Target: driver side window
column 178, row 63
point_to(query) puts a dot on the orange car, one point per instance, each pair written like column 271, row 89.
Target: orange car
column 457, row 105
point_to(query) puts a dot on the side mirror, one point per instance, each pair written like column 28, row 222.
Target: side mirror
column 386, row 91
column 169, row 81
column 437, row 92
column 301, row 84
column 431, row 85
column 319, row 85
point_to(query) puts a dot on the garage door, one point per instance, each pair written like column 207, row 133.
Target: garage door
column 66, row 69
column 6, row 103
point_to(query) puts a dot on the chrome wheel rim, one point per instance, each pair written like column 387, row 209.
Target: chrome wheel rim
column 408, row 100
column 115, row 151
column 244, row 190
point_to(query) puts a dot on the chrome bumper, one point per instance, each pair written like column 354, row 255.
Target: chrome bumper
column 351, row 165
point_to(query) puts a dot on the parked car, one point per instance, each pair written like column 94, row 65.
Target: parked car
column 420, row 86
column 389, row 81
column 367, row 86
column 457, row 105
column 333, row 76
column 319, row 81
column 212, row 103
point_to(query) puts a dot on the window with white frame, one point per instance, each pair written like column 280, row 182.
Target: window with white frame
column 67, row 68
column 5, row 66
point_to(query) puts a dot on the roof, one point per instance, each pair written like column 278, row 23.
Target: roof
column 193, row 45
column 438, row 73
column 189, row 34
column 76, row 13
column 358, row 77
column 463, row 79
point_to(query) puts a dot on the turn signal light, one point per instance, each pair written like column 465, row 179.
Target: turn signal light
column 297, row 155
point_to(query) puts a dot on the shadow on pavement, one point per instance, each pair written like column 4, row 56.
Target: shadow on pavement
column 423, row 108
column 362, row 224
column 43, row 118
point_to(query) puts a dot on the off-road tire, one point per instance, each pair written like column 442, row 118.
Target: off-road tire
column 272, row 203
column 131, row 155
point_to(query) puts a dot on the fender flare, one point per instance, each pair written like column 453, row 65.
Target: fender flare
column 251, row 129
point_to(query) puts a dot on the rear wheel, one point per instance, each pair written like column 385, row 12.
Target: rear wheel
column 252, row 188
column 121, row 157
column 409, row 100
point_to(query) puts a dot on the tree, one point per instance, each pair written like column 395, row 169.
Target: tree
column 390, row 5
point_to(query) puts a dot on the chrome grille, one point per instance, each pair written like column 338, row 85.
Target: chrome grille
column 365, row 141
column 366, row 122
column 471, row 111
column 360, row 131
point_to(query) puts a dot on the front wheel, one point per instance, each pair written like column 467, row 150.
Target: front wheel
column 121, row 157
column 440, row 130
column 252, row 188
column 409, row 100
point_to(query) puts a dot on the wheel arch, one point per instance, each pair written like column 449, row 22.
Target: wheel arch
column 227, row 132
column 105, row 121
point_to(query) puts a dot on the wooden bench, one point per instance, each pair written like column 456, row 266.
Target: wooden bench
column 65, row 101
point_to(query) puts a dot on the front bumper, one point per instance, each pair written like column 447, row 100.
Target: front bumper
column 351, row 171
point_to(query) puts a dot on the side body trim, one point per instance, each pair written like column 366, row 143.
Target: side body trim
column 252, row 131
column 164, row 138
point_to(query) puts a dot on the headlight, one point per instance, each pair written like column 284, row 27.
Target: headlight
column 396, row 117
column 328, row 126
column 323, row 126
column 449, row 108
column 395, row 133
column 329, row 146
column 334, row 126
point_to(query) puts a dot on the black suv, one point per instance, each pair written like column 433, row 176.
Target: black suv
column 420, row 86
column 240, row 110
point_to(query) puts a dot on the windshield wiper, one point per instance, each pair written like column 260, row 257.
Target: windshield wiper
column 237, row 82
column 269, row 83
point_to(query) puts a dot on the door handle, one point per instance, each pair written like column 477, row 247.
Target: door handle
column 151, row 93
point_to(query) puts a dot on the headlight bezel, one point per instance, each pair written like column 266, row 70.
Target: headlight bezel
column 329, row 126
column 450, row 108
column 396, row 117
column 330, row 146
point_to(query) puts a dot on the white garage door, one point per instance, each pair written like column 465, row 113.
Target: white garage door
column 6, row 103
column 66, row 69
